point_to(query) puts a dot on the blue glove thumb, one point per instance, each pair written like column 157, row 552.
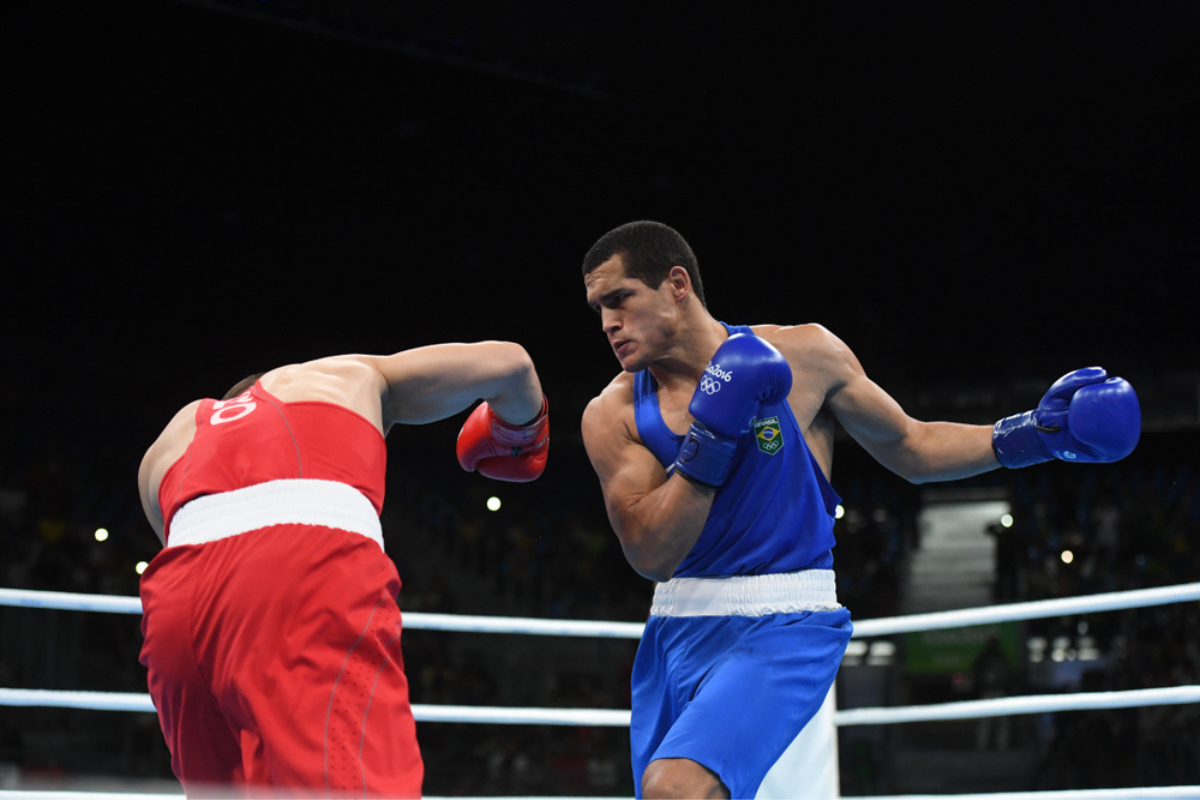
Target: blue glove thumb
column 1051, row 415
column 1052, row 411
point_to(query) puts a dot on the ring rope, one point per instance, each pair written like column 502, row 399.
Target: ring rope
column 1143, row 793
column 1038, row 609
column 1025, row 704
column 127, row 701
column 494, row 715
column 70, row 601
column 1147, row 792
column 604, row 717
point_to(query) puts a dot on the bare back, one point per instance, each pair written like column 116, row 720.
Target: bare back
column 414, row 386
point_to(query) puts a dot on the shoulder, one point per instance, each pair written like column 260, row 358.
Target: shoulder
column 350, row 366
column 184, row 420
column 810, row 344
column 612, row 408
column 181, row 426
column 616, row 396
column 174, row 438
column 353, row 381
column 822, row 364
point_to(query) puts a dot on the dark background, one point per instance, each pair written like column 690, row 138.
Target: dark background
column 977, row 197
column 969, row 192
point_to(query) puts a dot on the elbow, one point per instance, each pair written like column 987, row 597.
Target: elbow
column 653, row 546
column 515, row 393
column 650, row 565
column 504, row 362
column 917, row 479
column 515, row 361
column 656, row 574
column 919, row 476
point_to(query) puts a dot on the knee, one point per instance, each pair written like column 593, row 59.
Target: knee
column 680, row 778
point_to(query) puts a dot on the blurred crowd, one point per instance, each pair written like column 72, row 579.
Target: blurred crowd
column 549, row 552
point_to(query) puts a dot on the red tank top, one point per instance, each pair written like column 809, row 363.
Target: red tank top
column 256, row 438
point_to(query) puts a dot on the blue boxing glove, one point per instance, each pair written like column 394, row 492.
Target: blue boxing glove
column 746, row 374
column 1085, row 417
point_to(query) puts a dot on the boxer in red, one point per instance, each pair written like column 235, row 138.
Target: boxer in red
column 271, row 624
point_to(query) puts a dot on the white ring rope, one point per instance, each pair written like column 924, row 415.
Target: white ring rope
column 1147, row 793
column 493, row 715
column 1038, row 609
column 1143, row 793
column 413, row 620
column 94, row 701
column 1011, row 706
column 523, row 716
column 70, row 601
column 128, row 701
column 117, row 701
column 529, row 625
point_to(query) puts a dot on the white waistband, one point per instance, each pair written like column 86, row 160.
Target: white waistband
column 283, row 502
column 747, row 595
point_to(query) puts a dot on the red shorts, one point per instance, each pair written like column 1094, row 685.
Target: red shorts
column 274, row 661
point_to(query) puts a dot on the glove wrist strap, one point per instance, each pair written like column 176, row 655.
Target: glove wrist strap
column 704, row 456
column 1017, row 442
column 506, row 433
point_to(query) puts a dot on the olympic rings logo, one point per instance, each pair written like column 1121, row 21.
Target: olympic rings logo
column 709, row 386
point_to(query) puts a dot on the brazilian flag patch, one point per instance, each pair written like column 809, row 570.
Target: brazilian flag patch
column 769, row 435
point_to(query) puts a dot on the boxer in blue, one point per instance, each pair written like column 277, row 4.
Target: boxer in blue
column 713, row 447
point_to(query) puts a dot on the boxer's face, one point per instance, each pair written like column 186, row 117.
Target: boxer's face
column 637, row 319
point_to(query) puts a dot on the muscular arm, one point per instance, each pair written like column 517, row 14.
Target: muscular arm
column 431, row 383
column 169, row 446
column 917, row 451
column 149, row 501
column 657, row 518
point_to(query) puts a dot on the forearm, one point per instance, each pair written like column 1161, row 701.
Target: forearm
column 941, row 451
column 659, row 528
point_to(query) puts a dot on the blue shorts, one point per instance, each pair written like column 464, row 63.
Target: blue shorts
column 731, row 693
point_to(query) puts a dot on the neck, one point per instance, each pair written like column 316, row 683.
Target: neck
column 694, row 345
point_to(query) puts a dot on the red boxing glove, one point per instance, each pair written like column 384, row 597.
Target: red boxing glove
column 502, row 451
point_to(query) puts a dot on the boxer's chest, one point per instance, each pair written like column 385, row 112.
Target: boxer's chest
column 674, row 408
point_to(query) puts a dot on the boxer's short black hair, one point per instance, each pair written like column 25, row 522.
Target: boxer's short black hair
column 648, row 251
column 242, row 385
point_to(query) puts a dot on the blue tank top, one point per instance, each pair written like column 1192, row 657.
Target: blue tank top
column 775, row 512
